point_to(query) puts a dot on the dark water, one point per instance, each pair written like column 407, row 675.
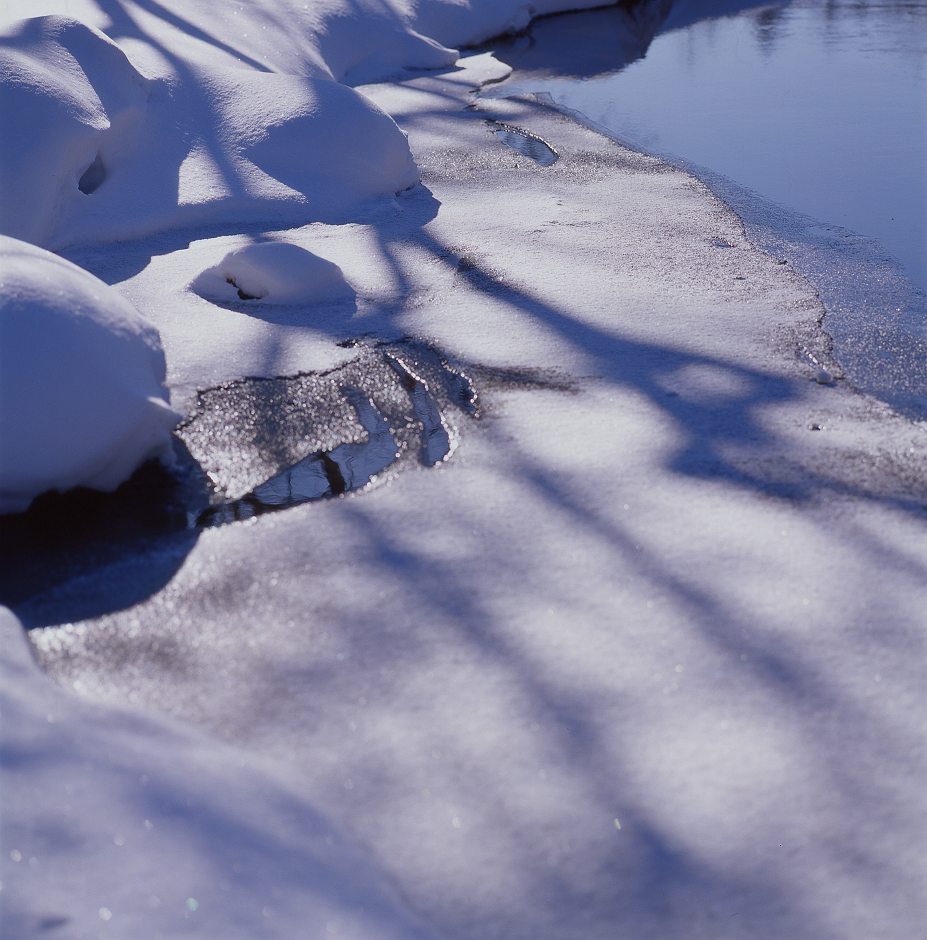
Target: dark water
column 808, row 117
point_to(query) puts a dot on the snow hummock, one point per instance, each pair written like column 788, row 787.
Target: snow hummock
column 275, row 272
column 95, row 151
column 197, row 120
column 69, row 100
column 82, row 396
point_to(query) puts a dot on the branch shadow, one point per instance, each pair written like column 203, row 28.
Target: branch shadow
column 724, row 443
column 658, row 876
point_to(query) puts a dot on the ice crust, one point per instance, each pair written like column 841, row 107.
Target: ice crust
column 82, row 395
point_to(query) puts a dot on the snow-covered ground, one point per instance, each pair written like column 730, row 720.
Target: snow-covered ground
column 644, row 658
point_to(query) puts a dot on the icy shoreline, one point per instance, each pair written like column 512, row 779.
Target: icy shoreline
column 876, row 313
column 627, row 664
column 872, row 320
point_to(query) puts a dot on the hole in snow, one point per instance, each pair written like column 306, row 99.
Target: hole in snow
column 526, row 143
column 93, row 177
column 242, row 295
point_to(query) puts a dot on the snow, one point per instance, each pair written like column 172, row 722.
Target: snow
column 81, row 380
column 644, row 658
column 59, row 122
column 126, row 826
column 214, row 145
column 276, row 273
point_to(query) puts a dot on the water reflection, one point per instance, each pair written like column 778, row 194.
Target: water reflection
column 768, row 24
column 686, row 13
column 608, row 39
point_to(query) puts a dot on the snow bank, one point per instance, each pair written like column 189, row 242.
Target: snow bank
column 69, row 101
column 349, row 40
column 468, row 22
column 275, row 272
column 82, row 400
column 189, row 121
column 197, row 120
column 94, row 151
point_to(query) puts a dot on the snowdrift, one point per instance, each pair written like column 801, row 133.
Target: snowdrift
column 133, row 120
column 195, row 119
column 122, row 812
column 82, row 399
column 95, row 151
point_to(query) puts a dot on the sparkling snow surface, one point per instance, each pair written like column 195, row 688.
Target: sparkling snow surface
column 643, row 659
column 119, row 826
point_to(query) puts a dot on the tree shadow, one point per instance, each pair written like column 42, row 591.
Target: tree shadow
column 723, row 442
column 658, row 878
column 125, row 26
column 117, row 780
column 187, row 117
column 651, row 880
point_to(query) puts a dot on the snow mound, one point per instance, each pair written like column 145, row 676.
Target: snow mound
column 82, row 399
column 360, row 45
column 275, row 272
column 237, row 124
column 311, row 142
column 472, row 22
column 94, row 151
column 69, row 103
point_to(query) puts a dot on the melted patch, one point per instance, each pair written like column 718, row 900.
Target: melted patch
column 527, row 144
column 266, row 444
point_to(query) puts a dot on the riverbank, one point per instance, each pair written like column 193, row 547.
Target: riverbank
column 644, row 657
column 713, row 89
